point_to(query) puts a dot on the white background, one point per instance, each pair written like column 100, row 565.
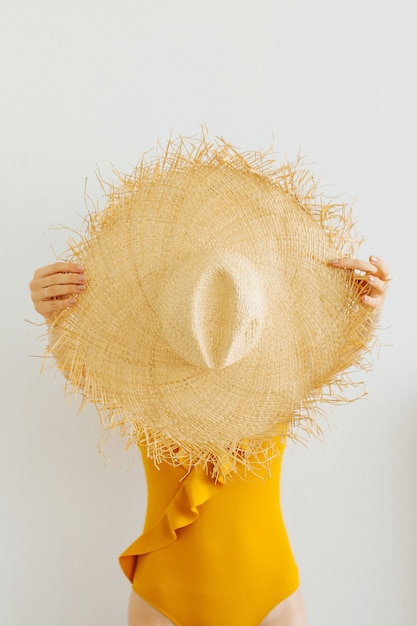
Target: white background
column 87, row 83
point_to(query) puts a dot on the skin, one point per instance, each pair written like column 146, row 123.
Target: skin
column 55, row 287
column 290, row 612
column 375, row 272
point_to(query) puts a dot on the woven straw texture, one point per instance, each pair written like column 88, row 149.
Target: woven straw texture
column 212, row 322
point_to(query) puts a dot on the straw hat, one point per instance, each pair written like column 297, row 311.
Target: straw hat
column 212, row 322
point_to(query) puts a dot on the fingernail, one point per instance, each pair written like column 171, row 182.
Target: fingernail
column 334, row 261
column 81, row 277
column 72, row 301
column 371, row 279
column 80, row 267
column 374, row 259
column 81, row 287
column 365, row 299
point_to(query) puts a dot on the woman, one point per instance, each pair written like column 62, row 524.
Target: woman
column 269, row 596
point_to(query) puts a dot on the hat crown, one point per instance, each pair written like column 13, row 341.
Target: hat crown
column 211, row 309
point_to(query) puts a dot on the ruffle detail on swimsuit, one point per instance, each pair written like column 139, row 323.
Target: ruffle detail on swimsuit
column 194, row 490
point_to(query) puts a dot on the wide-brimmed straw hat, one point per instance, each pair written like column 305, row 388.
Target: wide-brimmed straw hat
column 212, row 322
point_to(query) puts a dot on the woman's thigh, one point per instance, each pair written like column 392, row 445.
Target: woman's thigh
column 141, row 613
column 290, row 612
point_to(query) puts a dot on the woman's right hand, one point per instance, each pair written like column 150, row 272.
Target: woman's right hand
column 54, row 287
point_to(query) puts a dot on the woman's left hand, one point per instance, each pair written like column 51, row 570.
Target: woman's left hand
column 375, row 272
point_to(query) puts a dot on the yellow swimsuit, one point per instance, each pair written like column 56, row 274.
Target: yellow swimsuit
column 211, row 554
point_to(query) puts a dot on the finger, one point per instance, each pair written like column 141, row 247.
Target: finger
column 60, row 267
column 355, row 264
column 48, row 307
column 372, row 301
column 383, row 271
column 57, row 291
column 379, row 286
column 56, row 285
column 60, row 279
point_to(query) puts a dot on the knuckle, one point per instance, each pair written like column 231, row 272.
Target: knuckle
column 54, row 279
column 51, row 291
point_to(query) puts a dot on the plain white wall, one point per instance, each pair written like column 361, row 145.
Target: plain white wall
column 87, row 83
